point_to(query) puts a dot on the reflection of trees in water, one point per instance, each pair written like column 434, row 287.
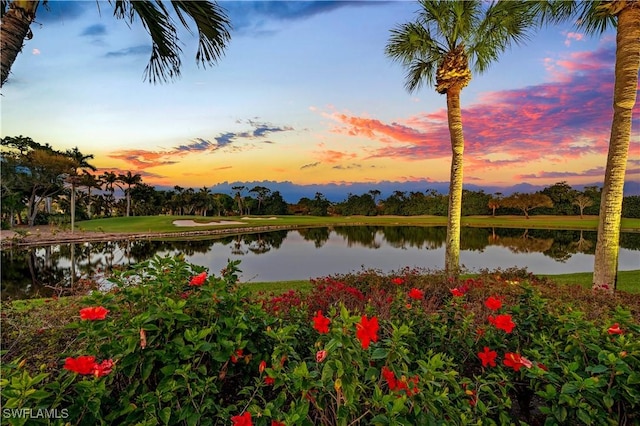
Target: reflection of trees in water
column 359, row 235
column 30, row 272
column 319, row 236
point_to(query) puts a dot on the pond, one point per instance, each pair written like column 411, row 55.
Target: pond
column 310, row 253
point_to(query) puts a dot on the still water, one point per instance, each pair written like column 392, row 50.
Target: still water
column 311, row 253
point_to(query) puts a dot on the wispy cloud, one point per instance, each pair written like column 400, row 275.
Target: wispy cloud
column 573, row 36
column 94, row 30
column 311, row 165
column 143, row 159
column 142, row 49
column 565, row 118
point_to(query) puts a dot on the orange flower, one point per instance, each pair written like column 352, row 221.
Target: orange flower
column 367, row 330
column 414, row 293
column 143, row 339
column 242, row 420
column 493, row 303
column 262, row 366
column 615, row 329
column 82, row 365
column 198, row 280
column 321, row 323
column 93, row 313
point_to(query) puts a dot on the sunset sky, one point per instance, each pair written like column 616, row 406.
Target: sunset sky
column 305, row 94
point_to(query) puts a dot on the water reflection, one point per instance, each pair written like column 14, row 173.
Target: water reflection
column 305, row 253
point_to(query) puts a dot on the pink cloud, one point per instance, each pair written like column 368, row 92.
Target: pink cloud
column 573, row 36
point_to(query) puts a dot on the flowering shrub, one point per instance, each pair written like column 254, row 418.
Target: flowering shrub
column 173, row 344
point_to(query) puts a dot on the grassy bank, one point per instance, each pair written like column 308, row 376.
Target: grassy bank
column 152, row 224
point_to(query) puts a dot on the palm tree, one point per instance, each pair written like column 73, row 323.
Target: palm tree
column 110, row 181
column 130, row 180
column 210, row 20
column 79, row 163
column 440, row 48
column 596, row 17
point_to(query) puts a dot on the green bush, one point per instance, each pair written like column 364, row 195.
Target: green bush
column 171, row 345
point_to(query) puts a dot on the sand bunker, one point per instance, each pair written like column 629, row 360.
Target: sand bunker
column 193, row 223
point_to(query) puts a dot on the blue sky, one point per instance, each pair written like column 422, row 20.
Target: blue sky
column 304, row 94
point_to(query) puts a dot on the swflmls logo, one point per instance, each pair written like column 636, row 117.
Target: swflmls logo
column 30, row 413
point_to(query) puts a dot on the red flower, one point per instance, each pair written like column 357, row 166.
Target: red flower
column 456, row 292
column 615, row 329
column 416, row 294
column 199, row 279
column 503, row 322
column 81, row 365
column 277, row 423
column 93, row 313
column 321, row 355
column 542, row 366
column 103, row 368
column 488, row 357
column 239, row 353
column 262, row 366
column 367, row 330
column 321, row 323
column 493, row 303
column 397, row 281
column 390, row 377
column 242, row 420
column 269, row 381
column 516, row 361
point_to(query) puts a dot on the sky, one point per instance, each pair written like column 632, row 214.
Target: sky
column 304, row 94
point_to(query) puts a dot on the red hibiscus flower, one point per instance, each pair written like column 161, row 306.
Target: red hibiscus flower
column 503, row 322
column 320, row 356
column 397, row 281
column 367, row 330
column 615, row 329
column 82, row 365
column 493, row 303
column 416, row 294
column 277, row 423
column 93, row 313
column 390, row 377
column 198, row 280
column 242, row 420
column 237, row 355
column 269, row 381
column 516, row 361
column 488, row 357
column 262, row 366
column 103, row 368
column 321, row 323
column 456, row 292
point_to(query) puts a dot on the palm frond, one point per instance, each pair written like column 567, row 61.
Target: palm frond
column 213, row 27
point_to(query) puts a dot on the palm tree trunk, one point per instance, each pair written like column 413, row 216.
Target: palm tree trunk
column 605, row 271
column 454, row 115
column 13, row 30
column 73, row 206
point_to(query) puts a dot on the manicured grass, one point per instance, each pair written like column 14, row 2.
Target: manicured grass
column 165, row 223
column 628, row 281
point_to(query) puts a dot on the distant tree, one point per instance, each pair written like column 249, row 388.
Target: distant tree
column 359, row 205
column 80, row 162
column 89, row 181
column 562, row 195
column 319, row 205
column 440, row 48
column 631, row 207
column 582, row 201
column 129, row 179
column 493, row 204
column 238, row 197
column 475, row 203
column 210, row 20
column 261, row 193
column 274, row 204
column 394, row 204
column 527, row 202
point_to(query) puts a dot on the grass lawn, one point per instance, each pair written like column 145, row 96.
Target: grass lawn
column 165, row 223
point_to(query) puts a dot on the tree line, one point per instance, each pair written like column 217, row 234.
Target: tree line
column 41, row 185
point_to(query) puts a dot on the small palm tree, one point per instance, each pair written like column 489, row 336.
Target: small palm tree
column 210, row 20
column 130, row 180
column 439, row 49
column 80, row 162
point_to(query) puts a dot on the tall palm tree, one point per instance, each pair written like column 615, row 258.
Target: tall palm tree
column 596, row 17
column 110, row 181
column 80, row 162
column 448, row 40
column 130, row 180
column 210, row 20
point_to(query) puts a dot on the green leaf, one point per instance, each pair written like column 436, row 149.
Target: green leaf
column 596, row 369
column 380, row 353
column 165, row 415
column 584, row 417
column 569, row 388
